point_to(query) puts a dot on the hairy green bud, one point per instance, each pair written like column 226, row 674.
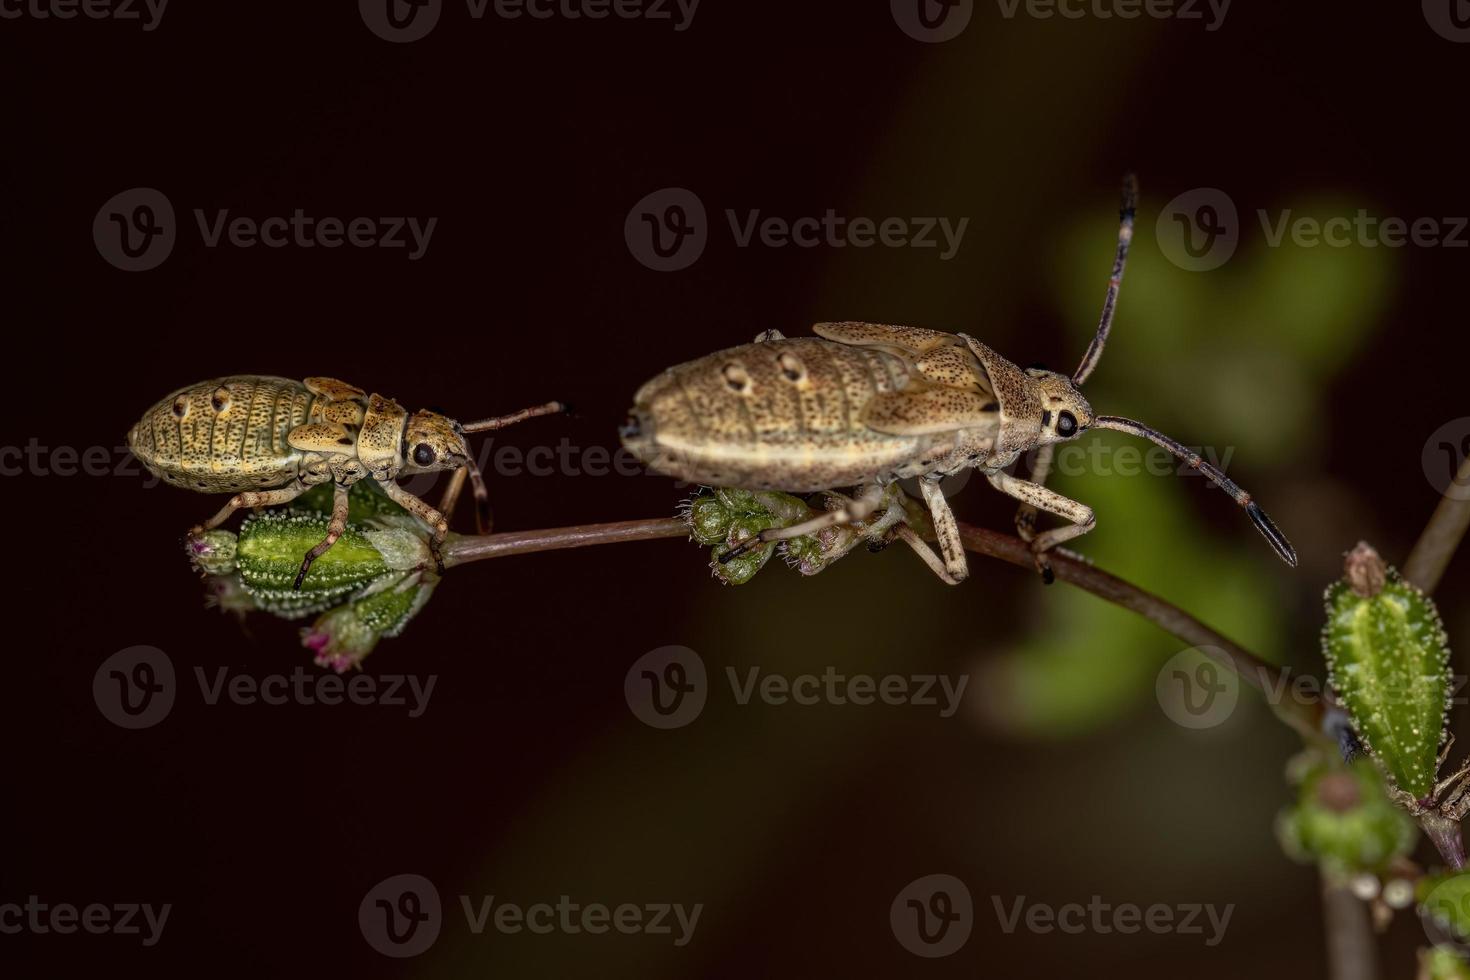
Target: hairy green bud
column 1388, row 660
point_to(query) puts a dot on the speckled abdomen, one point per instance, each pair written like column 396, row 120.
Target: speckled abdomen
column 224, row 436
column 781, row 415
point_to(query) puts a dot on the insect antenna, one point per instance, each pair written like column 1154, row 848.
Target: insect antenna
column 1110, row 301
column 501, row 421
column 1268, row 530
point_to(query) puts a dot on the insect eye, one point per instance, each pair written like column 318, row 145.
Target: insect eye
column 423, row 454
column 1066, row 424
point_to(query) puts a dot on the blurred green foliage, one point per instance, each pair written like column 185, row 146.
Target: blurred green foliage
column 1237, row 358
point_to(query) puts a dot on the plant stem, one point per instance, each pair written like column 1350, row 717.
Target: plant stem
column 1441, row 537
column 473, row 547
column 1351, row 953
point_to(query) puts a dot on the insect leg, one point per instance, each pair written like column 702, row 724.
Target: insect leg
column 1026, row 513
column 907, row 535
column 335, row 527
column 766, row 336
column 1110, row 300
column 423, row 512
column 1052, row 502
column 853, row 510
column 956, row 567
column 251, row 498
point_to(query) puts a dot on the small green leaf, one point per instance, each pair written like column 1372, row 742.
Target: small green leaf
column 1388, row 659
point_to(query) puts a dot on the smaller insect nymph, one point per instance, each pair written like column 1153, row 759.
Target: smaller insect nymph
column 269, row 440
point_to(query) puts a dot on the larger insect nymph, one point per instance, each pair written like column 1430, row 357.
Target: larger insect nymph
column 863, row 405
column 269, row 440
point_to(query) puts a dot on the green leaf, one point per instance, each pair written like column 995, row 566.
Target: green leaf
column 1388, row 659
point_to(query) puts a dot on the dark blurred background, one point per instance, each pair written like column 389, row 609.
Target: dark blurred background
column 1325, row 370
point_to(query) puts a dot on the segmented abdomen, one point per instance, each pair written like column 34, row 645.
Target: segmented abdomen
column 785, row 414
column 225, row 435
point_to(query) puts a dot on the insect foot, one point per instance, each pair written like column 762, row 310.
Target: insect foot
column 1388, row 660
column 746, row 527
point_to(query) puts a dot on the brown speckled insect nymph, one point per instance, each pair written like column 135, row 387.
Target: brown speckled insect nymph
column 269, row 440
column 864, row 404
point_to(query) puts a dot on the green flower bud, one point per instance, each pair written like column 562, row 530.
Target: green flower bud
column 709, row 519
column 1388, row 659
column 742, row 569
column 213, row 552
column 344, row 636
column 1345, row 821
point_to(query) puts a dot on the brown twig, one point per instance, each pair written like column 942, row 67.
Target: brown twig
column 458, row 550
column 1441, row 537
column 1351, row 951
